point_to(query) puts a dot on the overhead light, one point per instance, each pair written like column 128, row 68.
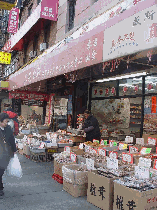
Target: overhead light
column 122, row 77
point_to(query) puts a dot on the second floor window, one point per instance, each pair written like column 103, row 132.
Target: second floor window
column 71, row 6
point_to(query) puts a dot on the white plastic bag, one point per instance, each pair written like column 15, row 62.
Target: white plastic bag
column 14, row 167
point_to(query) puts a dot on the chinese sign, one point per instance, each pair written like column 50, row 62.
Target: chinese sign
column 67, row 149
column 122, row 146
column 49, row 9
column 7, row 5
column 152, row 141
column 90, row 164
column 145, row 150
column 139, row 34
column 145, row 162
column 28, row 95
column 127, row 157
column 153, row 107
column 142, row 172
column 140, row 141
column 112, row 163
column 133, row 149
column 73, row 157
column 5, row 58
column 13, row 21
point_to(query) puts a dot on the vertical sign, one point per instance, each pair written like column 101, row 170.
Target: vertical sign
column 13, row 21
column 49, row 9
column 153, row 106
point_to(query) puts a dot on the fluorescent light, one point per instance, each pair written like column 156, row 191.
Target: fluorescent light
column 122, row 77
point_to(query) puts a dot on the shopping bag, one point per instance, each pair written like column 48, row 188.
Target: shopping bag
column 14, row 167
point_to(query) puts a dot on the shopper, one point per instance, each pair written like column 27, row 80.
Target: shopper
column 91, row 127
column 7, row 140
column 13, row 116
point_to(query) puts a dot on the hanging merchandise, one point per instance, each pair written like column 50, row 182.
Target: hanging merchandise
column 107, row 91
column 113, row 90
column 136, row 88
column 95, row 92
column 150, row 86
column 101, row 91
column 125, row 89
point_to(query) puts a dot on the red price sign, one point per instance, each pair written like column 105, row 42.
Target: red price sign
column 93, row 151
column 152, row 141
column 102, row 152
column 113, row 154
column 133, row 149
column 127, row 157
column 155, row 164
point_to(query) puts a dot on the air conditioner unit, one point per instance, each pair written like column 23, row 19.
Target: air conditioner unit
column 43, row 46
column 32, row 54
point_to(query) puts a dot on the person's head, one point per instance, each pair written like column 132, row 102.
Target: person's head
column 4, row 118
column 86, row 113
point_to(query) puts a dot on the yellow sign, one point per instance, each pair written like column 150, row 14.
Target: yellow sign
column 7, row 5
column 5, row 58
column 125, row 146
column 4, row 84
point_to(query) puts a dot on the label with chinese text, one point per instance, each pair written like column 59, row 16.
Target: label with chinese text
column 90, row 164
column 67, row 149
column 112, row 163
column 127, row 157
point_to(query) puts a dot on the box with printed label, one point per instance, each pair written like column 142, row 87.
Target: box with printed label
column 128, row 198
column 100, row 190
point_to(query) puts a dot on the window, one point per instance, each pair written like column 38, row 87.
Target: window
column 71, row 7
column 30, row 10
column 38, row 1
column 47, row 32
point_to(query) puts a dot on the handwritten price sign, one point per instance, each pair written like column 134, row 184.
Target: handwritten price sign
column 87, row 148
column 152, row 141
column 112, row 143
column 145, row 150
column 102, row 152
column 67, row 149
column 113, row 154
column 95, row 141
column 142, row 172
column 92, row 151
column 133, row 149
column 90, row 164
column 127, row 157
column 103, row 142
column 112, row 163
column 122, row 146
column 145, row 162
column 140, row 141
column 73, row 157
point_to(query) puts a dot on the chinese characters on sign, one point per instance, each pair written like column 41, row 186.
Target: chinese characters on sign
column 101, row 191
column 13, row 21
column 5, row 58
column 119, row 203
column 49, row 9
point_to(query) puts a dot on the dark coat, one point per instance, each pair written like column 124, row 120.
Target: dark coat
column 10, row 140
column 94, row 133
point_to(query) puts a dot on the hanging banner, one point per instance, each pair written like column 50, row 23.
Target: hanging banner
column 5, row 58
column 13, row 21
column 49, row 9
column 153, row 106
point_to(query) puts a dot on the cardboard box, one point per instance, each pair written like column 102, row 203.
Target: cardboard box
column 75, row 190
column 145, row 136
column 78, row 139
column 58, row 167
column 100, row 191
column 128, row 198
column 72, row 175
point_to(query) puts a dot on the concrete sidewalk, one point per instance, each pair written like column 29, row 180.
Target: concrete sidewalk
column 36, row 190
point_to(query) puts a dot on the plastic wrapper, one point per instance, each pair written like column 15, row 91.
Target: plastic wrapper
column 75, row 174
column 14, row 167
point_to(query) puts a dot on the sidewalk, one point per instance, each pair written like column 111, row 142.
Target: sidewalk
column 36, row 190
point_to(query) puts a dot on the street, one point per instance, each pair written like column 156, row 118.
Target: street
column 37, row 190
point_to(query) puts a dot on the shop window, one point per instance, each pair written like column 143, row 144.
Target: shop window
column 30, row 10
column 130, row 86
column 151, row 84
column 104, row 89
column 71, row 9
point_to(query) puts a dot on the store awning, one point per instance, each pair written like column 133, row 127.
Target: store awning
column 87, row 50
column 46, row 10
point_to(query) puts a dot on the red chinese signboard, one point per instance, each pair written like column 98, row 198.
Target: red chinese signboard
column 49, row 9
column 13, row 21
column 28, row 95
column 153, row 107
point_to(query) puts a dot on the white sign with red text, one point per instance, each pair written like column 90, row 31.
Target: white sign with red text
column 139, row 34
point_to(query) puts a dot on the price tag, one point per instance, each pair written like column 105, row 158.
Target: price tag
column 81, row 146
column 113, row 154
column 140, row 141
column 142, row 172
column 95, row 141
column 122, row 146
column 145, row 162
column 70, row 141
column 112, row 163
column 112, row 143
column 102, row 152
column 103, row 142
column 152, row 141
column 73, row 157
column 145, row 150
column 133, row 149
column 93, row 151
column 90, row 164
column 129, row 139
column 87, row 148
column 67, row 149
column 127, row 157
column 155, row 164
column 42, row 145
